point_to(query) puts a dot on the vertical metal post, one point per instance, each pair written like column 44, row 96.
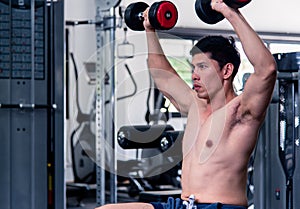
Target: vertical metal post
column 105, row 102
column 100, row 102
column 57, row 102
column 55, row 59
column 113, row 179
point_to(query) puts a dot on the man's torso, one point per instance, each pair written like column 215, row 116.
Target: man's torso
column 216, row 150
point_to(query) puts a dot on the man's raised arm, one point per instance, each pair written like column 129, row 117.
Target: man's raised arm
column 165, row 77
column 260, row 85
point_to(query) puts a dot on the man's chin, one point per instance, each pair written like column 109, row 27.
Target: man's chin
column 201, row 95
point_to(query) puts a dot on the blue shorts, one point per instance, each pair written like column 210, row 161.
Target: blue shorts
column 178, row 204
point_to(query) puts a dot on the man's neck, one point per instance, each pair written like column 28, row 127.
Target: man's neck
column 220, row 100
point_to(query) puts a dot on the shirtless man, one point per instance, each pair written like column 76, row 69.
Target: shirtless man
column 222, row 127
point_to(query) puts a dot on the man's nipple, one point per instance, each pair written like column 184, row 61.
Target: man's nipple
column 209, row 143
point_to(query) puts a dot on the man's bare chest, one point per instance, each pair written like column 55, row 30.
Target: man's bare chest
column 206, row 132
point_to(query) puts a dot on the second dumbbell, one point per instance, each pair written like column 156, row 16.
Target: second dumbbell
column 162, row 15
column 210, row 16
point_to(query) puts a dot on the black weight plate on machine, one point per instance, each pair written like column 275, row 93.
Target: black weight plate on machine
column 206, row 13
column 131, row 16
column 163, row 15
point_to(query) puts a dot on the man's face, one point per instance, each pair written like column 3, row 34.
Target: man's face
column 207, row 76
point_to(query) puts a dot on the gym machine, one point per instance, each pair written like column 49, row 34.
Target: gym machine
column 31, row 104
column 276, row 167
column 104, row 152
column 105, row 88
column 156, row 174
column 99, row 147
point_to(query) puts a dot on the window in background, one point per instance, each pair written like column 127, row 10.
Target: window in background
column 183, row 68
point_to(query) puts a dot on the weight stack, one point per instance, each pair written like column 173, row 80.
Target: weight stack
column 31, row 104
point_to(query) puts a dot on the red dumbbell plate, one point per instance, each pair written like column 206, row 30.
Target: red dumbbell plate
column 163, row 15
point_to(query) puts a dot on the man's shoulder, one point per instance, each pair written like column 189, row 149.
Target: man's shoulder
column 235, row 102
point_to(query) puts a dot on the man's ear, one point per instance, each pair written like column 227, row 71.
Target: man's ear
column 227, row 70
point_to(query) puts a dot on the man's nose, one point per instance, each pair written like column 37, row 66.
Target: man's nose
column 195, row 76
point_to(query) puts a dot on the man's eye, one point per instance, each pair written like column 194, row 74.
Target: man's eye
column 202, row 66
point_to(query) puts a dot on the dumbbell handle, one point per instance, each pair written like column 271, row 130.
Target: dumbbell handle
column 141, row 16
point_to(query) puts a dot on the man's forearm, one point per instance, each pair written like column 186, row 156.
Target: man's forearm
column 254, row 48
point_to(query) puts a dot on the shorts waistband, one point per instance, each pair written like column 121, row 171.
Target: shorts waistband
column 191, row 204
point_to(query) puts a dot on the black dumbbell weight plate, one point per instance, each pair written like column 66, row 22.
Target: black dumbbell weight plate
column 237, row 3
column 132, row 18
column 163, row 15
column 206, row 13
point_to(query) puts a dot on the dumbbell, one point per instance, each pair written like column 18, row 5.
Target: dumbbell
column 162, row 15
column 210, row 16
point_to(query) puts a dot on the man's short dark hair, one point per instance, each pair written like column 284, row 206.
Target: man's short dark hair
column 221, row 49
